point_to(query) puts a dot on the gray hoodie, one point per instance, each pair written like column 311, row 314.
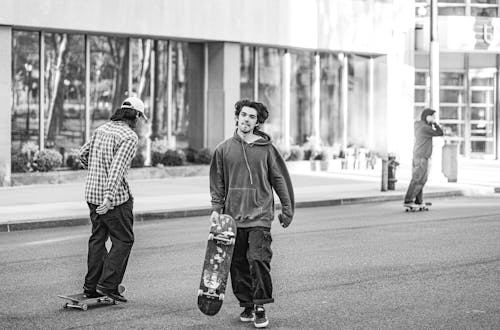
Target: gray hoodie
column 242, row 178
column 424, row 132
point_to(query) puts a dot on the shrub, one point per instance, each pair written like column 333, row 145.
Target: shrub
column 307, row 153
column 173, row 158
column 29, row 149
column 318, row 155
column 47, row 160
column 73, row 160
column 160, row 146
column 20, row 163
column 285, row 152
column 203, row 156
column 296, row 153
column 190, row 155
column 156, row 158
column 138, row 160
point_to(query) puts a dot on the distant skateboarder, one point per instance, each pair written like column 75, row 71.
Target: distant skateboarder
column 425, row 129
column 243, row 173
column 107, row 156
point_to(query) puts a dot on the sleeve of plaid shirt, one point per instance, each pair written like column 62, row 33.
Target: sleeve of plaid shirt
column 84, row 154
column 120, row 163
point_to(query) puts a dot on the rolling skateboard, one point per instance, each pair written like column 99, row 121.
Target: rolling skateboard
column 217, row 264
column 417, row 207
column 83, row 302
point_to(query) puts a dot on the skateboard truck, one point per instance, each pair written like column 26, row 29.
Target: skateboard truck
column 210, row 293
column 225, row 239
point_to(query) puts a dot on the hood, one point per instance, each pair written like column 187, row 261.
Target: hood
column 425, row 113
column 263, row 141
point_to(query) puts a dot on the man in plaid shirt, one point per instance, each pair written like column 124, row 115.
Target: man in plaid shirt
column 107, row 156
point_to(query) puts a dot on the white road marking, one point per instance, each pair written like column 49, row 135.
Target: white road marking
column 54, row 240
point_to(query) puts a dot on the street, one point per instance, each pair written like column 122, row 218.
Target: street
column 363, row 266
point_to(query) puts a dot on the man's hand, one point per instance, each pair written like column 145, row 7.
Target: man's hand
column 214, row 217
column 284, row 220
column 104, row 207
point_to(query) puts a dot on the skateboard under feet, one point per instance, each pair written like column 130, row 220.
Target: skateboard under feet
column 80, row 301
column 417, row 207
column 217, row 264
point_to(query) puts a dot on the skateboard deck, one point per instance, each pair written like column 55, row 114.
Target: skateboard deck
column 80, row 301
column 424, row 207
column 217, row 264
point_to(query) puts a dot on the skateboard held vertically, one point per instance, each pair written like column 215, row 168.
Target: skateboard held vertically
column 217, row 264
column 417, row 207
column 80, row 301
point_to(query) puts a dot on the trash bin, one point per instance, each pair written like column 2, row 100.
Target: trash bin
column 450, row 161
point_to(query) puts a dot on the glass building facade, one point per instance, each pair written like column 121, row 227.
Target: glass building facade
column 468, row 77
column 84, row 78
column 66, row 76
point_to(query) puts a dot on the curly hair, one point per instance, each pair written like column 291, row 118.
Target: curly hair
column 262, row 112
column 126, row 115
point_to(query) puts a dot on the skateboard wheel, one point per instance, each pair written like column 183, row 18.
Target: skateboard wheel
column 85, row 307
column 121, row 288
column 65, row 306
column 221, row 296
column 200, row 292
column 232, row 241
column 210, row 237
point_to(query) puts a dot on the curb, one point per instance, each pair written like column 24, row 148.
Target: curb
column 204, row 211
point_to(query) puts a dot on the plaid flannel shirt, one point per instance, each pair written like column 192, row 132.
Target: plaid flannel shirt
column 107, row 156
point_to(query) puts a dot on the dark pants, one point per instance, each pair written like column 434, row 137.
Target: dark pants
column 418, row 180
column 106, row 269
column 251, row 267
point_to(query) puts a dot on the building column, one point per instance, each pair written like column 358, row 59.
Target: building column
column 286, row 72
column 371, row 106
column 196, row 95
column 223, row 90
column 344, row 99
column 315, row 99
column 6, row 109
column 497, row 110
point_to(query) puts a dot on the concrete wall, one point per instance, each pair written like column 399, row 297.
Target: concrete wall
column 6, row 108
column 348, row 25
column 223, row 90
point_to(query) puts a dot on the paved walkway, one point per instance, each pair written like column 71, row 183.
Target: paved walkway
column 37, row 206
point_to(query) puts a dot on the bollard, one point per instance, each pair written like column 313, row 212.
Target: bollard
column 384, row 175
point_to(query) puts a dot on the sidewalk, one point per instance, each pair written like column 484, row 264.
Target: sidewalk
column 43, row 206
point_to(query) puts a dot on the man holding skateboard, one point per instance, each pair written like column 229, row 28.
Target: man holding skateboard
column 425, row 129
column 107, row 156
column 243, row 173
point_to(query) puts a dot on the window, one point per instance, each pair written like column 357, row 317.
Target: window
column 486, row 8
column 482, row 112
column 330, row 100
column 180, row 106
column 64, row 93
column 270, row 89
column 109, row 58
column 25, row 85
column 247, row 72
column 301, row 122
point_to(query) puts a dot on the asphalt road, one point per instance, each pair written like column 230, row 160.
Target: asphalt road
column 369, row 266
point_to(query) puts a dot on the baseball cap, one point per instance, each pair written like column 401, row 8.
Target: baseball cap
column 134, row 103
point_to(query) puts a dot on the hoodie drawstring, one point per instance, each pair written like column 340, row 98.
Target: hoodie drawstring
column 246, row 161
